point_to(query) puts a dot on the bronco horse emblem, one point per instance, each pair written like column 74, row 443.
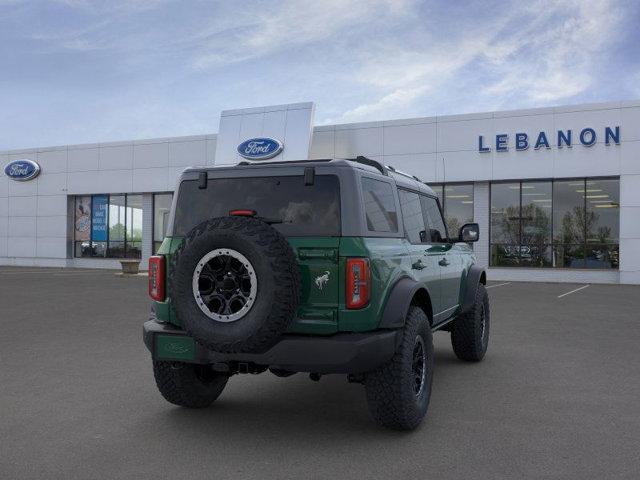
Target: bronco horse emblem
column 322, row 280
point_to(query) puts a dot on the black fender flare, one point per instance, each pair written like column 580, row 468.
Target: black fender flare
column 475, row 277
column 397, row 306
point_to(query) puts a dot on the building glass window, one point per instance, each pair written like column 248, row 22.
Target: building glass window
column 134, row 226
column 505, row 224
column 603, row 223
column 117, row 219
column 568, row 223
column 108, row 226
column 457, row 204
column 535, row 228
column 563, row 224
column 161, row 210
column 82, row 226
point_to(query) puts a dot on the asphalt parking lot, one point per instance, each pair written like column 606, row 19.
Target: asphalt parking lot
column 558, row 395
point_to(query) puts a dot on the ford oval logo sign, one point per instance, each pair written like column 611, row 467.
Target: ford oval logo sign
column 22, row 170
column 260, row 148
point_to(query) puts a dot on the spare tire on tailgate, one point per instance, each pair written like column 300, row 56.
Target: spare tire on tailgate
column 235, row 284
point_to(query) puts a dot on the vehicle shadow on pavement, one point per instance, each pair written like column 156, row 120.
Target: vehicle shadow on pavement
column 292, row 406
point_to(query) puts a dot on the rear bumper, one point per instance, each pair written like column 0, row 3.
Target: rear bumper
column 339, row 353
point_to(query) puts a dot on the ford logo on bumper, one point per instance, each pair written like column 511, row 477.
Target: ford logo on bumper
column 260, row 148
column 22, row 170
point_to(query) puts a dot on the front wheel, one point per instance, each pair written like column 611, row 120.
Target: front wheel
column 188, row 385
column 398, row 392
column 470, row 331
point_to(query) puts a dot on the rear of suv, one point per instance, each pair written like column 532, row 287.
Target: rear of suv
column 327, row 266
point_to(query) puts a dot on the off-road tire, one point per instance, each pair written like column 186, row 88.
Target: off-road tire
column 391, row 397
column 468, row 337
column 188, row 385
column 278, row 281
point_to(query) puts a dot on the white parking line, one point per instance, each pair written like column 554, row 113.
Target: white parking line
column 498, row 285
column 573, row 291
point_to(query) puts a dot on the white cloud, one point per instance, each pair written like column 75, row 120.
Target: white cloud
column 255, row 33
column 543, row 52
column 554, row 63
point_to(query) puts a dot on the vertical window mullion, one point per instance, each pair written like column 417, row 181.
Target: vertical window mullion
column 552, row 241
column 108, row 215
column 490, row 242
column 125, row 225
column 520, row 225
column 91, row 226
column 584, row 240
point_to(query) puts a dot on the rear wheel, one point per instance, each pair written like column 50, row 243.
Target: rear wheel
column 188, row 385
column 470, row 331
column 398, row 392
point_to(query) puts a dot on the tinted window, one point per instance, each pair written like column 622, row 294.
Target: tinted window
column 568, row 212
column 535, row 243
column 117, row 217
column 134, row 226
column 433, row 217
column 303, row 210
column 412, row 216
column 380, row 207
column 603, row 211
column 565, row 223
column 505, row 213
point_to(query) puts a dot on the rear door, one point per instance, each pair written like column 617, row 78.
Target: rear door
column 424, row 262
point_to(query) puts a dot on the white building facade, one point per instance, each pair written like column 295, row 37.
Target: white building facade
column 556, row 191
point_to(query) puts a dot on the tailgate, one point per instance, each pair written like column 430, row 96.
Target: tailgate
column 320, row 284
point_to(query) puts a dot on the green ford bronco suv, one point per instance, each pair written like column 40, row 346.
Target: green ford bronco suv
column 323, row 266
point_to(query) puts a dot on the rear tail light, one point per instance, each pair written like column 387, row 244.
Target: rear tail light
column 358, row 288
column 156, row 278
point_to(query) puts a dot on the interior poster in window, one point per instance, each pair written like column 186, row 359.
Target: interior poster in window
column 99, row 214
column 83, row 219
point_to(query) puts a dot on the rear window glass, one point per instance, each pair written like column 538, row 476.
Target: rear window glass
column 379, row 206
column 304, row 210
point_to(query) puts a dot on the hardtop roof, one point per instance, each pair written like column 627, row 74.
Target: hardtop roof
column 374, row 167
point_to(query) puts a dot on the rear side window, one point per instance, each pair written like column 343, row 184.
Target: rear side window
column 433, row 217
column 380, row 206
column 414, row 221
column 297, row 209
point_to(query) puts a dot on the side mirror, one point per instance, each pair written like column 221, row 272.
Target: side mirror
column 470, row 232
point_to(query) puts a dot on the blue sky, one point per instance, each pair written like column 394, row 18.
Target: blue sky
column 77, row 71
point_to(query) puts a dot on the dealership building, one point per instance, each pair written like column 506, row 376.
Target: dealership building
column 556, row 191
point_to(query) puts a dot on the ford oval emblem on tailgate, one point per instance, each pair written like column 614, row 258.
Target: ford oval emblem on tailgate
column 260, row 148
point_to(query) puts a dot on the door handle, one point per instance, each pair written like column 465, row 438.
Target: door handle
column 444, row 262
column 418, row 265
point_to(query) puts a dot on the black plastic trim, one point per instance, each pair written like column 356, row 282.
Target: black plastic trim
column 372, row 163
column 473, row 280
column 395, row 311
column 339, row 353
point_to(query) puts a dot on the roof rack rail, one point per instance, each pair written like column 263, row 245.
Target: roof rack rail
column 369, row 161
column 404, row 174
column 278, row 162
